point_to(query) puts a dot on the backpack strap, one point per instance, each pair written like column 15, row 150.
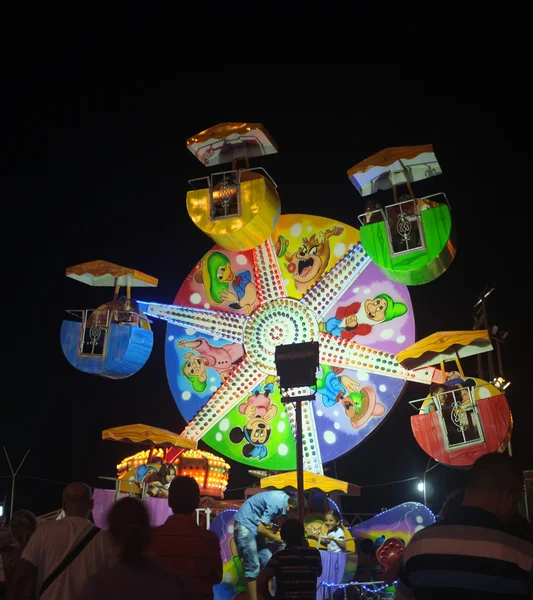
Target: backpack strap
column 68, row 559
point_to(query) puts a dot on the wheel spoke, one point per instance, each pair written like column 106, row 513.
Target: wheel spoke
column 241, row 382
column 312, row 460
column 338, row 352
column 225, row 325
column 268, row 277
column 333, row 284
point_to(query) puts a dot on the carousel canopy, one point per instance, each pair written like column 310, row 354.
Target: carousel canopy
column 444, row 346
column 394, row 166
column 226, row 142
column 148, row 436
column 101, row 273
column 312, row 482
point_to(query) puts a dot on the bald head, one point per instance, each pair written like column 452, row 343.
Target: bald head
column 495, row 472
column 496, row 483
column 77, row 500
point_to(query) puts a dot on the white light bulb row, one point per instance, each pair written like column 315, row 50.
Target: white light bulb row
column 324, row 293
column 268, row 278
column 240, row 383
column 312, row 461
column 229, row 326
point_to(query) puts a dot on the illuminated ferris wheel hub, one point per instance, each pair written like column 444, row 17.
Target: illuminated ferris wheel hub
column 278, row 322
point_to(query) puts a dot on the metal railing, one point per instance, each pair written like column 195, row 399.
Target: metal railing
column 458, row 414
column 425, row 201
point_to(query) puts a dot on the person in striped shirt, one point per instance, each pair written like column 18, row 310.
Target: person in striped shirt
column 296, row 567
column 473, row 553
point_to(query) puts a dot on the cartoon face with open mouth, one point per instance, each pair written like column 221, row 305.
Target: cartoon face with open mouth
column 312, row 258
column 305, row 264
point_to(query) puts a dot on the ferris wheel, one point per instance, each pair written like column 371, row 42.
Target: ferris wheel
column 311, row 280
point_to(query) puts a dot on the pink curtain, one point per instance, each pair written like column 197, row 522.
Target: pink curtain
column 104, row 500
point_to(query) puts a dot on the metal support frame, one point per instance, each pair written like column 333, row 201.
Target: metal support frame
column 13, row 477
column 472, row 407
column 119, row 482
column 207, row 512
column 304, row 364
column 481, row 321
column 362, row 219
column 297, row 400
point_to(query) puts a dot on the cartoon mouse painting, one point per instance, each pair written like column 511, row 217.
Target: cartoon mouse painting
column 259, row 410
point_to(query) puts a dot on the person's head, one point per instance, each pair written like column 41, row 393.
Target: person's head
column 23, row 523
column 292, row 506
column 183, row 495
column 437, row 388
column 332, row 519
column 453, row 501
column 129, row 526
column 292, row 533
column 77, row 500
column 167, row 473
column 496, row 483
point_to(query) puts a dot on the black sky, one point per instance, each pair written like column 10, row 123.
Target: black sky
column 101, row 168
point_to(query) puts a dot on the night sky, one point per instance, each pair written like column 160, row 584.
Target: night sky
column 101, row 151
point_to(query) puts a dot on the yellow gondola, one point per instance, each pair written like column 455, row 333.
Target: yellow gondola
column 237, row 209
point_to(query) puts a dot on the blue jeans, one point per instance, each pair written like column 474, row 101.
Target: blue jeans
column 252, row 549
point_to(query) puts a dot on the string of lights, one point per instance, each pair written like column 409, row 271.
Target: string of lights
column 401, row 480
column 367, row 587
column 364, row 585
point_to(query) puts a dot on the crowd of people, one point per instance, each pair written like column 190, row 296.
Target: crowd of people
column 479, row 547
column 72, row 559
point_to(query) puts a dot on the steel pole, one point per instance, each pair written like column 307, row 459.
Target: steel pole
column 486, row 325
column 299, row 461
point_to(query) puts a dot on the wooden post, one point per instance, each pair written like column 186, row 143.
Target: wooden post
column 458, row 364
column 408, row 183
column 443, row 370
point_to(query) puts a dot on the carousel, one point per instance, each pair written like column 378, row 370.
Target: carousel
column 149, row 472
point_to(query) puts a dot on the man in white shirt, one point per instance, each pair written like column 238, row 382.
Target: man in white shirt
column 53, row 542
